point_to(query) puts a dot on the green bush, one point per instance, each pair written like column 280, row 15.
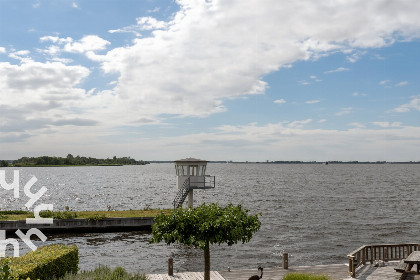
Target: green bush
column 304, row 276
column 96, row 217
column 104, row 273
column 44, row 263
column 5, row 270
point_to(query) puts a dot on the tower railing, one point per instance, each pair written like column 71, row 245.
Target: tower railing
column 202, row 182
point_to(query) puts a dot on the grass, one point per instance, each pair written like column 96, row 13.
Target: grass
column 305, row 276
column 105, row 273
column 94, row 215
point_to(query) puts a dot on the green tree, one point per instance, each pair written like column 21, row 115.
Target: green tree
column 205, row 225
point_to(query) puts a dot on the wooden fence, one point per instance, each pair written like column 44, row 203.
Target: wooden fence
column 371, row 253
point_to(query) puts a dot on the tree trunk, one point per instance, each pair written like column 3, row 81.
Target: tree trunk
column 207, row 262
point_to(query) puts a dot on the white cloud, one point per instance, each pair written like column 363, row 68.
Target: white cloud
column 143, row 23
column 355, row 56
column 384, row 82
column 322, row 120
column 299, row 124
column 280, row 101
column 155, row 10
column 56, row 39
column 22, row 55
column 344, row 111
column 36, row 96
column 207, row 52
column 2, row 50
column 339, row 69
column 403, row 83
column 74, row 5
column 378, row 57
column 357, row 125
column 358, row 94
column 387, row 124
column 275, row 141
column 278, row 140
column 314, row 78
column 150, row 23
column 86, row 44
column 312, row 101
column 413, row 105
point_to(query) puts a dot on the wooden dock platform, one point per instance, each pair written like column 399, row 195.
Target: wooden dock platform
column 334, row 271
column 81, row 225
column 214, row 275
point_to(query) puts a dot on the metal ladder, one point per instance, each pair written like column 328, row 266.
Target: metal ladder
column 182, row 194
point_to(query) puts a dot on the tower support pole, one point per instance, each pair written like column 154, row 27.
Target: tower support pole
column 190, row 199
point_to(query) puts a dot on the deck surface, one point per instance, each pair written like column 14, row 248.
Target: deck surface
column 334, row 271
column 214, row 275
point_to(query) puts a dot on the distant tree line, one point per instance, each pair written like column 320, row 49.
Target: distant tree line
column 71, row 160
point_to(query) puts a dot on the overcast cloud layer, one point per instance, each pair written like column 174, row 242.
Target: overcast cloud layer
column 190, row 65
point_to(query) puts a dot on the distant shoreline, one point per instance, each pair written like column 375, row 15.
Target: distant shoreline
column 70, row 160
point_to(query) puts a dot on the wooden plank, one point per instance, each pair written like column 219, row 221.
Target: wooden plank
column 214, row 275
column 334, row 271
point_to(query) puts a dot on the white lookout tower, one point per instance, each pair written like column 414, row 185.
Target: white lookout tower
column 191, row 174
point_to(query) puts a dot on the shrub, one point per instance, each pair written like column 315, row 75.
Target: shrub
column 104, row 273
column 96, row 217
column 304, row 276
column 5, row 270
column 45, row 263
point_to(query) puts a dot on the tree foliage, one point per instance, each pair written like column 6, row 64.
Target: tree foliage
column 204, row 225
column 78, row 160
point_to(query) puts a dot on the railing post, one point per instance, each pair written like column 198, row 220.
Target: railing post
column 364, row 256
column 170, row 266
column 371, row 255
column 285, row 261
column 352, row 269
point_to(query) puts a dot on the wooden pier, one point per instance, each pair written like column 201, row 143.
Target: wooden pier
column 334, row 271
column 81, row 225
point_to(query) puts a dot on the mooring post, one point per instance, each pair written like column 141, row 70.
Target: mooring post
column 170, row 266
column 285, row 261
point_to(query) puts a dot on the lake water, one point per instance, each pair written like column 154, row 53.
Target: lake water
column 317, row 213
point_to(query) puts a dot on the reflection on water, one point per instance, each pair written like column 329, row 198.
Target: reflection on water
column 311, row 211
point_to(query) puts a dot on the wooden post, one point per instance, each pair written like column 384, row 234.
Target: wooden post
column 352, row 269
column 171, row 266
column 285, row 261
column 364, row 256
column 371, row 255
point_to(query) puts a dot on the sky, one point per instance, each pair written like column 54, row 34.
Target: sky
column 241, row 80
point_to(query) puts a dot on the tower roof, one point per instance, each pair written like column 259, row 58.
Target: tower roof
column 190, row 160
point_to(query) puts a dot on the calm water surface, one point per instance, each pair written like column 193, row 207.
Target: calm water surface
column 317, row 213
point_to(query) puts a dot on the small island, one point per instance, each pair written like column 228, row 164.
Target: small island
column 70, row 160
